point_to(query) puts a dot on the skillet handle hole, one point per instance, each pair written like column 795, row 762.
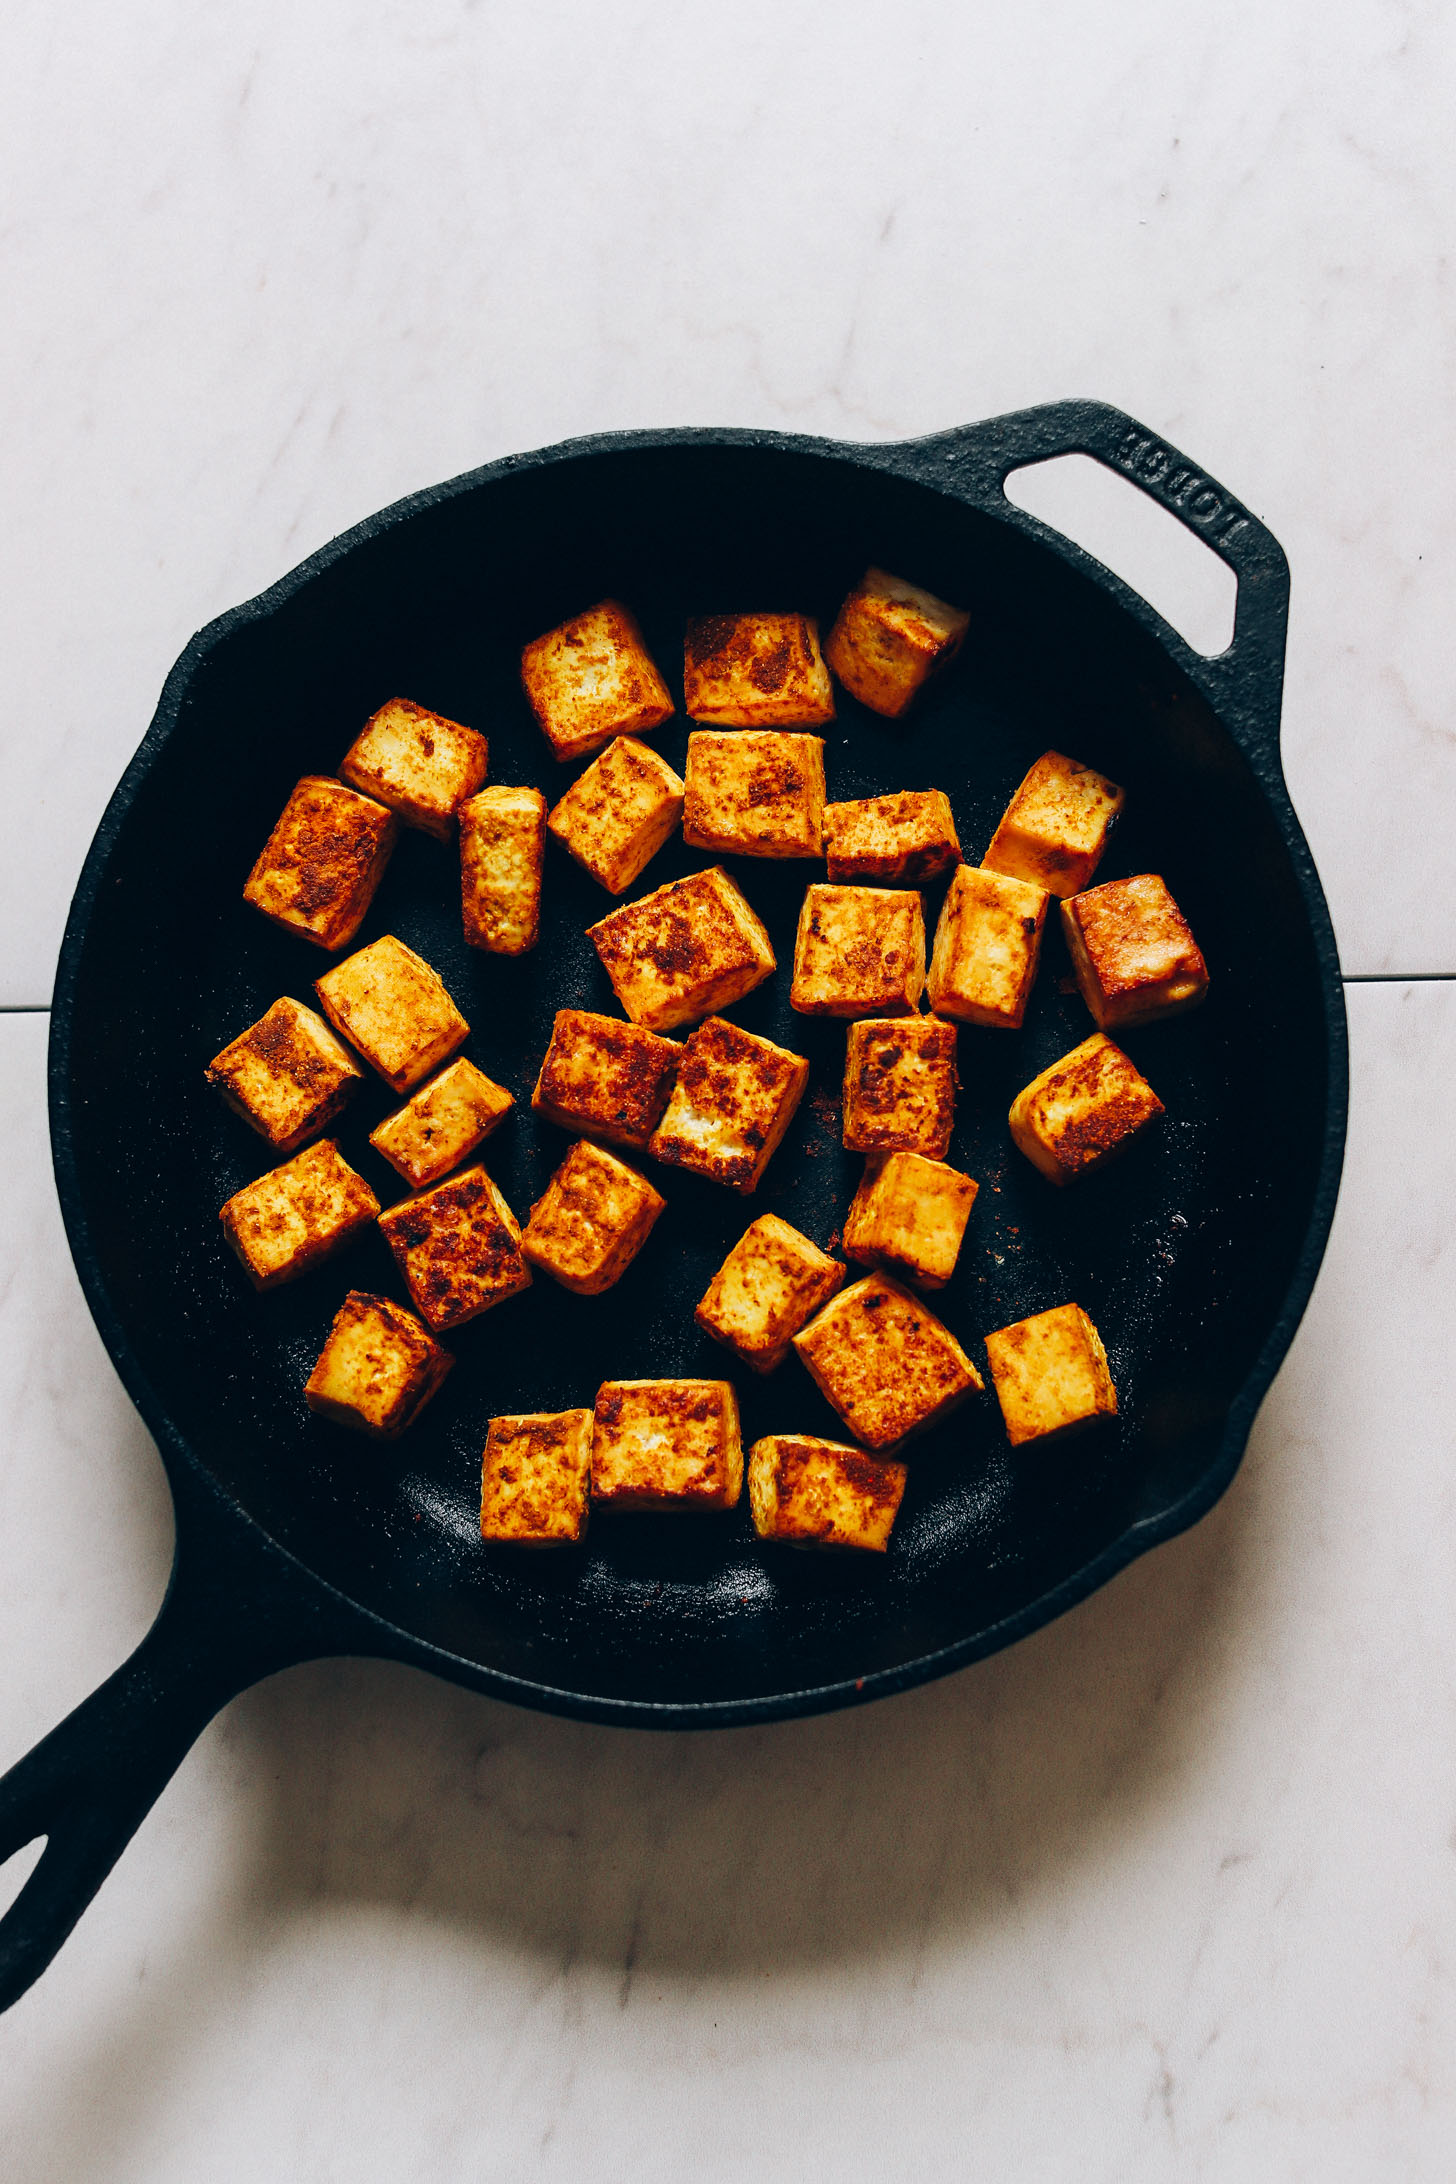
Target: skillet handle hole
column 16, row 1870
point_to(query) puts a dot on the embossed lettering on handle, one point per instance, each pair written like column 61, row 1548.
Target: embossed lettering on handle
column 1216, row 513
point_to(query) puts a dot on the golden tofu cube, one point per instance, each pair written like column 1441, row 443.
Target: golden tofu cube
column 605, row 1078
column 772, row 1282
column 1086, row 1107
column 755, row 793
column 592, row 1220
column 987, row 947
column 294, row 1216
column 420, row 764
column 1055, row 828
column 683, row 951
column 813, row 1493
column 592, row 679
column 910, row 1214
column 378, row 1369
column 286, row 1075
column 458, row 1247
column 321, row 864
column 859, row 951
column 615, row 818
column 889, row 637
column 667, row 1445
column 883, row 1360
column 534, row 1478
column 902, row 839
column 1134, row 955
column 734, row 1098
column 756, row 671
column 502, row 850
column 442, row 1123
column 1050, row 1375
column 389, row 1004
column 900, row 1086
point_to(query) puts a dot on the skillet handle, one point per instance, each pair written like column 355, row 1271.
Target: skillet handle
column 236, row 1610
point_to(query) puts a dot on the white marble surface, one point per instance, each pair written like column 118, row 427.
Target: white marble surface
column 1166, row 1893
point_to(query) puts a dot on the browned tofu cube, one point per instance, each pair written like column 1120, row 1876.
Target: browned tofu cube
column 756, row 671
column 1055, row 828
column 592, row 679
column 322, row 862
column 535, row 1477
column 617, row 815
column 902, row 839
column 888, row 638
column 442, row 1123
column 771, row 1283
column 605, row 1078
column 859, row 951
column 883, row 1360
column 900, row 1086
column 755, row 793
column 389, row 1004
column 987, row 947
column 378, row 1369
column 458, row 1247
column 286, row 1075
column 1086, row 1107
column 592, row 1220
column 910, row 1214
column 418, row 763
column 502, row 849
column 296, row 1215
column 734, row 1098
column 667, row 1445
column 1050, row 1375
column 813, row 1493
column 683, row 951
column 1133, row 953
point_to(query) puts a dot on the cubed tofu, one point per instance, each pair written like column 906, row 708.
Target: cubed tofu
column 1050, row 1375
column 770, row 1285
column 683, row 951
column 321, row 864
column 286, row 1075
column 502, row 850
column 1134, row 955
column 812, row 1493
column 294, row 1216
column 592, row 679
column 899, row 840
column 420, row 764
column 604, row 1078
column 535, row 1478
column 756, row 671
column 859, row 951
column 389, row 1004
column 909, row 1215
column 593, row 1218
column 458, row 1247
column 734, row 1098
column 900, row 1086
column 667, row 1445
column 1086, row 1107
column 378, row 1368
column 987, row 947
column 615, row 818
column 754, row 793
column 882, row 1359
column 1055, row 828
column 888, row 638
column 442, row 1123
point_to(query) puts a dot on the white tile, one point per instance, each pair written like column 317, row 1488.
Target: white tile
column 1164, row 1894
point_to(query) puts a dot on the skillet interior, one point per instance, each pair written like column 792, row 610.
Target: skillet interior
column 1182, row 1254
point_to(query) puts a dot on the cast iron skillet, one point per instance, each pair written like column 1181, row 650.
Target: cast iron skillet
column 1195, row 1256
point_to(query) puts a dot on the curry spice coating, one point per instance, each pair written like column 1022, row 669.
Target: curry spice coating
column 1055, row 828
column 987, row 947
column 502, row 851
column 534, row 1478
column 317, row 871
column 734, row 1098
column 283, row 1224
column 859, row 951
column 616, row 816
column 591, row 1221
column 287, row 1075
column 604, row 1078
column 592, row 679
column 756, row 671
column 813, row 1493
column 889, row 637
column 772, row 1282
column 1050, row 1374
column 389, row 1004
column 676, row 955
column 882, row 1359
column 900, row 1086
column 909, row 1215
column 1086, row 1107
column 899, row 840
column 458, row 1247
column 442, row 1123
column 420, row 764
column 667, row 1445
column 377, row 1370
column 1134, row 955
column 754, row 793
